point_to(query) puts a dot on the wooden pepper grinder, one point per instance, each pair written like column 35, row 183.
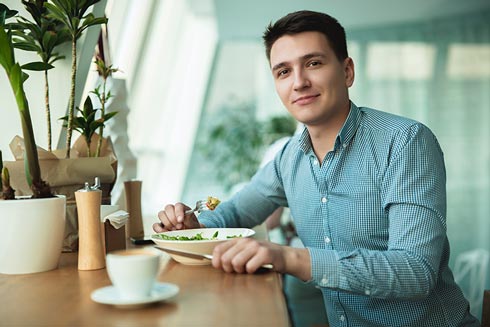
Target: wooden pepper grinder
column 133, row 206
column 91, row 253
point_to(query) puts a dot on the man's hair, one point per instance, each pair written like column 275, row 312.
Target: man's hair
column 307, row 21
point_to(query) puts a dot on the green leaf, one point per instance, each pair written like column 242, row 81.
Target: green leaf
column 27, row 46
column 55, row 57
column 57, row 14
column 94, row 21
column 95, row 125
column 79, row 122
column 27, row 170
column 48, row 40
column 110, row 115
column 16, row 78
column 63, row 5
column 75, row 22
column 87, row 107
column 6, row 13
column 37, row 66
column 24, row 77
column 89, row 116
column 6, row 51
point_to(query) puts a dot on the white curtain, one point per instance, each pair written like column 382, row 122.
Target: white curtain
column 164, row 49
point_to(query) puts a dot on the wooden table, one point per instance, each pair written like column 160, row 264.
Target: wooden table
column 207, row 297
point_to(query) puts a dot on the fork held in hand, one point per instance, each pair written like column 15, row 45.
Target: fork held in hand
column 200, row 206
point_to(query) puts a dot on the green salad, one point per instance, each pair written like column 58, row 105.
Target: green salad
column 197, row 237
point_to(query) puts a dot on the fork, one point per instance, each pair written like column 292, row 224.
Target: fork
column 200, row 206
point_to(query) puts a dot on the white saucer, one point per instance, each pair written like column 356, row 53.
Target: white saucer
column 109, row 295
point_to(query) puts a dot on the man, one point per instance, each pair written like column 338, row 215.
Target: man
column 366, row 190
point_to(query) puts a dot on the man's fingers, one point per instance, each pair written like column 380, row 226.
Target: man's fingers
column 159, row 228
column 239, row 255
column 180, row 210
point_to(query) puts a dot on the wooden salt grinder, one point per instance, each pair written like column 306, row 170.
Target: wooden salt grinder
column 91, row 253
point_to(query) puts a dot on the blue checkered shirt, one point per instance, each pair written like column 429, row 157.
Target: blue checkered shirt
column 373, row 217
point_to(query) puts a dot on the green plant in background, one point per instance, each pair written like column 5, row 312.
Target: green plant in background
column 71, row 13
column 278, row 127
column 42, row 35
column 17, row 78
column 237, row 139
column 105, row 72
column 233, row 144
column 87, row 124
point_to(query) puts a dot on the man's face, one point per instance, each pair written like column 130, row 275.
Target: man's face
column 309, row 79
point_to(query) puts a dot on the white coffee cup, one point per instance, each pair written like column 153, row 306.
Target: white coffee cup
column 133, row 272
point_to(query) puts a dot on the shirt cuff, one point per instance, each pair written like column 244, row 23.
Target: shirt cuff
column 207, row 220
column 324, row 267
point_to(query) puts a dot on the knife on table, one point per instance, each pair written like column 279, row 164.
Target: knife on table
column 200, row 256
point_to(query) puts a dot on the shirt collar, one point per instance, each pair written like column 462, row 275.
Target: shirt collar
column 346, row 132
column 351, row 124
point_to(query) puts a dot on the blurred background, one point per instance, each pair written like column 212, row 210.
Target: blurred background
column 198, row 106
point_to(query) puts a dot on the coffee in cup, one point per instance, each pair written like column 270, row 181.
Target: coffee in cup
column 133, row 272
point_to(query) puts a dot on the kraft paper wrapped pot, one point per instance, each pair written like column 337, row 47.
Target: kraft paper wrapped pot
column 66, row 176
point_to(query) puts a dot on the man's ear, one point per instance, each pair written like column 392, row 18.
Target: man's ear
column 349, row 71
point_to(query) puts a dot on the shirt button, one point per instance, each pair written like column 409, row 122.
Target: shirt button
column 344, row 145
column 342, row 318
column 324, row 199
column 367, row 292
column 315, row 162
column 324, row 281
column 327, row 239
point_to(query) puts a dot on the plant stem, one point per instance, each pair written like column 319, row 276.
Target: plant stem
column 89, row 153
column 71, row 108
column 48, row 110
column 101, row 129
column 29, row 141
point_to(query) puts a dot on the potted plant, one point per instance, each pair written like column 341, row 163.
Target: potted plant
column 87, row 124
column 41, row 218
column 103, row 95
column 42, row 35
column 68, row 169
column 72, row 14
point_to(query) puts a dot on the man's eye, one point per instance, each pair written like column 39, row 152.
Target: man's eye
column 314, row 63
column 282, row 72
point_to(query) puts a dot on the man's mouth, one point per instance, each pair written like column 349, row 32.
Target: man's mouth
column 307, row 99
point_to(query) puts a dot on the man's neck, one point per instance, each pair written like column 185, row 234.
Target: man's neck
column 323, row 136
column 322, row 141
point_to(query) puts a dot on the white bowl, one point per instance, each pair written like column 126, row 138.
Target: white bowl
column 198, row 246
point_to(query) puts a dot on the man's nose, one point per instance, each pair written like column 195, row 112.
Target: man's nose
column 301, row 80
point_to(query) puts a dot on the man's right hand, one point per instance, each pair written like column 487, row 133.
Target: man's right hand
column 173, row 218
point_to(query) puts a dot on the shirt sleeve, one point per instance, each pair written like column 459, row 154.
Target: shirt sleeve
column 252, row 204
column 414, row 197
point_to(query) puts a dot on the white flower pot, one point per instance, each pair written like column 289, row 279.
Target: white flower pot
column 31, row 234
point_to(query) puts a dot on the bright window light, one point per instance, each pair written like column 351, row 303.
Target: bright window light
column 468, row 61
column 400, row 60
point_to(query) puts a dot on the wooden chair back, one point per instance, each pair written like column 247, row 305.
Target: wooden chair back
column 485, row 312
